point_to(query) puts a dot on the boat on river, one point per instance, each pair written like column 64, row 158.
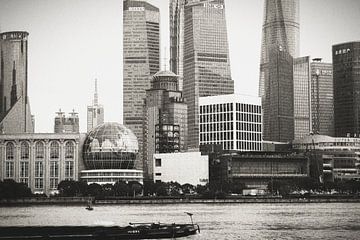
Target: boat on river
column 132, row 231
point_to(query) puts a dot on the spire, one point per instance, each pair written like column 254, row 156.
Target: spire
column 96, row 99
column 13, row 87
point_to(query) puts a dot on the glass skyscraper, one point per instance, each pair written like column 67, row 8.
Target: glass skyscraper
column 202, row 56
column 141, row 60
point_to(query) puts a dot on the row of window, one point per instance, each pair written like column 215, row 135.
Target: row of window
column 216, row 127
column 39, row 150
column 225, row 107
column 216, row 117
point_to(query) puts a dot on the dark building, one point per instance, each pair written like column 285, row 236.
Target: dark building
column 278, row 101
column 322, row 97
column 346, row 65
column 206, row 65
column 15, row 116
column 165, row 118
column 141, row 58
column 281, row 27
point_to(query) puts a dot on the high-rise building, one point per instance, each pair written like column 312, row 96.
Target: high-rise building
column 177, row 39
column 302, row 97
column 141, row 61
column 63, row 124
column 165, row 114
column 346, row 65
column 15, row 116
column 206, row 65
column 281, row 28
column 233, row 121
column 95, row 112
column 322, row 97
column 278, row 101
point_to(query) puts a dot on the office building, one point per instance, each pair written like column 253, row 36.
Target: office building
column 63, row 124
column 206, row 65
column 165, row 115
column 141, row 59
column 302, row 97
column 278, row 101
column 233, row 121
column 187, row 167
column 15, row 115
column 346, row 66
column 95, row 112
column 280, row 28
column 40, row 160
column 322, row 97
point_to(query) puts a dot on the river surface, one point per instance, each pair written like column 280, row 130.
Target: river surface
column 217, row 221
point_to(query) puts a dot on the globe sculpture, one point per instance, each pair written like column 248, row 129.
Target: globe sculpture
column 110, row 146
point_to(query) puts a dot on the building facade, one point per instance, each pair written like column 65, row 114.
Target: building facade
column 165, row 118
column 278, row 101
column 95, row 112
column 302, row 97
column 15, row 115
column 280, row 28
column 206, row 65
column 141, row 60
column 346, row 65
column 40, row 160
column 322, row 97
column 234, row 121
column 63, row 124
column 188, row 167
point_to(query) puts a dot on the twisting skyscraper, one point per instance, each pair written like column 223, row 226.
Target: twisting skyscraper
column 200, row 54
column 281, row 28
column 15, row 116
column 141, row 60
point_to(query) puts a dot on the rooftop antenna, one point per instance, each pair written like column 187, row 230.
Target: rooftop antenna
column 165, row 60
column 96, row 93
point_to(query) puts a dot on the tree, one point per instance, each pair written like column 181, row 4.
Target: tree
column 188, row 188
column 9, row 189
column 161, row 189
column 94, row 190
column 120, row 188
column 135, row 188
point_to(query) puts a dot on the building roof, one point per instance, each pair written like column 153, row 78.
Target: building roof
column 165, row 73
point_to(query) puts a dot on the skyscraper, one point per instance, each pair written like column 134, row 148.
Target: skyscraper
column 15, row 116
column 278, row 101
column 206, row 65
column 346, row 65
column 141, row 60
column 281, row 28
column 165, row 125
column 95, row 112
column 302, row 97
column 322, row 97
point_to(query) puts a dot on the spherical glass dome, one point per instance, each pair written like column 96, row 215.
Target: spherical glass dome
column 110, row 146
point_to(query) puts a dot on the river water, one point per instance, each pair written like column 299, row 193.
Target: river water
column 217, row 221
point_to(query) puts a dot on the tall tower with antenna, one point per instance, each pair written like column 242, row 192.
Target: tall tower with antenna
column 95, row 112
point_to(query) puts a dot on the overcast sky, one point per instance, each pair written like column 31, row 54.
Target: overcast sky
column 72, row 42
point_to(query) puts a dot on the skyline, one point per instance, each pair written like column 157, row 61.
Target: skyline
column 62, row 62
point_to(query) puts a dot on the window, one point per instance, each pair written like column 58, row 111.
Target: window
column 24, row 169
column 157, row 174
column 39, row 183
column 69, row 169
column 25, row 150
column 69, row 150
column 157, row 162
column 39, row 150
column 39, row 169
column 9, row 169
column 54, row 183
column 54, row 150
column 54, row 169
column 10, row 151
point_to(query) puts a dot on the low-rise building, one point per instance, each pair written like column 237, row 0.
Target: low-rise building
column 186, row 167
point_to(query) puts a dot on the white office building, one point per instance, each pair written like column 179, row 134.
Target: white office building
column 232, row 120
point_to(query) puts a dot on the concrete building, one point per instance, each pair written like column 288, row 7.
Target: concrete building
column 302, row 97
column 141, row 58
column 280, row 28
column 278, row 100
column 333, row 158
column 95, row 112
column 15, row 115
column 165, row 118
column 234, row 121
column 257, row 169
column 63, row 124
column 346, row 65
column 206, row 65
column 189, row 167
column 40, row 160
column 322, row 97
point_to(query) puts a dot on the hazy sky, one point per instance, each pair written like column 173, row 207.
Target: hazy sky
column 72, row 42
